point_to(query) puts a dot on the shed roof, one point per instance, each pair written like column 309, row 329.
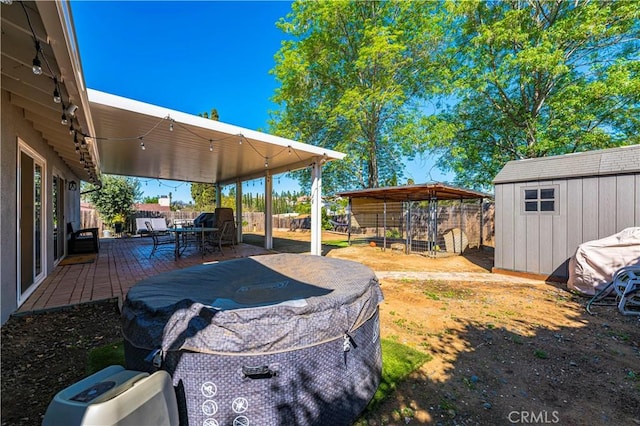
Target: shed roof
column 612, row 161
column 418, row 192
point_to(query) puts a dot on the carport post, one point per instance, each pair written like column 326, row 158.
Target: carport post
column 384, row 225
column 316, row 207
column 349, row 222
column 268, row 211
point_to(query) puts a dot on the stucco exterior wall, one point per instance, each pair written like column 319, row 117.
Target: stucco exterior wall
column 14, row 127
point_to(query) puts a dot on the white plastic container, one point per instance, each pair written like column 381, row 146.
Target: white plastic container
column 115, row 396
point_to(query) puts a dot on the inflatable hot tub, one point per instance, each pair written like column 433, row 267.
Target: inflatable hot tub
column 283, row 339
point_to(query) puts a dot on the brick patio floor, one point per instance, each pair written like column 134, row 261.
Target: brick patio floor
column 121, row 263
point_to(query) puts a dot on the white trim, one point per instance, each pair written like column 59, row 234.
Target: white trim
column 316, row 207
column 37, row 280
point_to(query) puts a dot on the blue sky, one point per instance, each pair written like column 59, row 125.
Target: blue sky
column 192, row 57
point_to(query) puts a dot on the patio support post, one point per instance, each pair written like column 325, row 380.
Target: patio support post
column 481, row 221
column 218, row 195
column 316, row 208
column 268, row 211
column 239, row 210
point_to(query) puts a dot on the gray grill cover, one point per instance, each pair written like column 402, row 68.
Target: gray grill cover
column 261, row 304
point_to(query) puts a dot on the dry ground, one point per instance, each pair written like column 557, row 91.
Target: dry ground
column 503, row 351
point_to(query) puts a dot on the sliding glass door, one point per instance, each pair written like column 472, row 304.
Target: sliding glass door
column 31, row 224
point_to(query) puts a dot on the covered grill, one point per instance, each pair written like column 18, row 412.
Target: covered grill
column 277, row 339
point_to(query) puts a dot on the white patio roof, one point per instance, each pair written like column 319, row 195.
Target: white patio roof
column 185, row 147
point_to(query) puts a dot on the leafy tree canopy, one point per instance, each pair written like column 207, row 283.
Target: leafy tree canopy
column 204, row 196
column 151, row 200
column 352, row 76
column 114, row 202
column 536, row 78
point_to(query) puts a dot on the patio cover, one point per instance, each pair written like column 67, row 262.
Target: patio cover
column 139, row 139
column 196, row 150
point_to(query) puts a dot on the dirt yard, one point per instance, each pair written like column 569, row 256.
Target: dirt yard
column 504, row 351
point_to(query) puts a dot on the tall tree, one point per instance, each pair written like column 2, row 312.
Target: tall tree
column 114, row 201
column 537, row 78
column 352, row 75
column 204, row 194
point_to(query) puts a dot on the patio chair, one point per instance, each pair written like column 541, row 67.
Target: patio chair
column 626, row 283
column 226, row 236
column 82, row 240
column 160, row 239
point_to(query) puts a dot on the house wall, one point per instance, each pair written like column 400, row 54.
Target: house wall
column 14, row 126
column 588, row 209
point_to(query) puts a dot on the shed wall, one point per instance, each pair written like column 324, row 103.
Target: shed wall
column 587, row 209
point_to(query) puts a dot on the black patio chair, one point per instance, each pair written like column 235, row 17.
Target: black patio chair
column 82, row 240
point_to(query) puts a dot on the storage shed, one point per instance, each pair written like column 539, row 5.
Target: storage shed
column 546, row 207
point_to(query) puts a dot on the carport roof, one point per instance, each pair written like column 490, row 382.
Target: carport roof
column 418, row 192
column 185, row 147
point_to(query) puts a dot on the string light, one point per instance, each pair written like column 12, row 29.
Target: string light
column 171, row 125
column 64, row 120
column 289, row 149
column 56, row 94
column 266, row 162
column 71, row 130
column 210, row 145
column 37, row 65
column 142, row 144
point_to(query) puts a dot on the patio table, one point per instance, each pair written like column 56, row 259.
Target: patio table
column 182, row 238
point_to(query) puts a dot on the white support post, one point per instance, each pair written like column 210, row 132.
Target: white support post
column 268, row 211
column 239, row 210
column 316, row 208
column 218, row 196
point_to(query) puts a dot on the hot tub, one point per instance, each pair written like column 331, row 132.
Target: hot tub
column 283, row 339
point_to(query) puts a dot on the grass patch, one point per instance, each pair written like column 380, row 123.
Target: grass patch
column 336, row 243
column 104, row 356
column 398, row 361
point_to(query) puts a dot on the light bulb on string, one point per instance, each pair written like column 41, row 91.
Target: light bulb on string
column 289, row 149
column 210, row 145
column 37, row 65
column 142, row 144
column 56, row 95
column 171, row 125
column 71, row 130
column 266, row 162
column 64, row 120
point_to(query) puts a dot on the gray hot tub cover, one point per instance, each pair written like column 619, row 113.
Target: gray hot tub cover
column 257, row 305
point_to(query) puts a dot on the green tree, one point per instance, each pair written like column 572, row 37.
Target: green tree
column 204, row 195
column 537, row 78
column 150, row 200
column 114, row 202
column 352, row 74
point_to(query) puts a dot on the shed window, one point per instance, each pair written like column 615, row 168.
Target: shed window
column 540, row 200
